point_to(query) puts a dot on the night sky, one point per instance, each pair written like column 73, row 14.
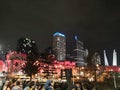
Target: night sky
column 95, row 22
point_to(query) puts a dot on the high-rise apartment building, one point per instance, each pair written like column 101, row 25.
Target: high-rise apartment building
column 59, row 46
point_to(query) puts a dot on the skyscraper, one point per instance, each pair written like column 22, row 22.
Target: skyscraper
column 79, row 53
column 59, row 46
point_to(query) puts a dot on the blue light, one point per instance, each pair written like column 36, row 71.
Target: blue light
column 76, row 38
column 58, row 34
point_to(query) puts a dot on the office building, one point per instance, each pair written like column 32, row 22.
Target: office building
column 59, row 46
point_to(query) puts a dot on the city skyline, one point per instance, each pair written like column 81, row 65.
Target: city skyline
column 96, row 23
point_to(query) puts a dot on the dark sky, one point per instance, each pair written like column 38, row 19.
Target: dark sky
column 96, row 22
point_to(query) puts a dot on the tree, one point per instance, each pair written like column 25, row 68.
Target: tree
column 48, row 58
column 48, row 51
column 31, row 67
column 29, row 47
column 96, row 59
column 48, row 55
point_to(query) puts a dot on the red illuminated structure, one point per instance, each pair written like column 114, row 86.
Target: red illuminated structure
column 112, row 68
column 14, row 60
column 2, row 66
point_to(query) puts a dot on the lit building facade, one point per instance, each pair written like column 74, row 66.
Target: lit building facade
column 59, row 46
column 79, row 53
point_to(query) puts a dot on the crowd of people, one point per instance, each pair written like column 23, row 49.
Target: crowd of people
column 24, row 84
column 20, row 84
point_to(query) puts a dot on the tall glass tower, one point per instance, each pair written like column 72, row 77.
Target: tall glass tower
column 79, row 53
column 59, row 46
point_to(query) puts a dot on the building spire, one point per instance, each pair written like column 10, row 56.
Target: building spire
column 114, row 58
column 105, row 59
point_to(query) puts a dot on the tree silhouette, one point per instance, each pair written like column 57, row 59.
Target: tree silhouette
column 46, row 52
column 48, row 58
column 31, row 67
column 29, row 47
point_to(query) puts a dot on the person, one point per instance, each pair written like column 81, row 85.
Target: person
column 17, row 86
column 48, row 85
column 39, row 87
column 8, row 87
column 1, row 84
column 27, row 86
column 3, row 81
column 89, row 85
column 64, row 86
column 31, row 87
